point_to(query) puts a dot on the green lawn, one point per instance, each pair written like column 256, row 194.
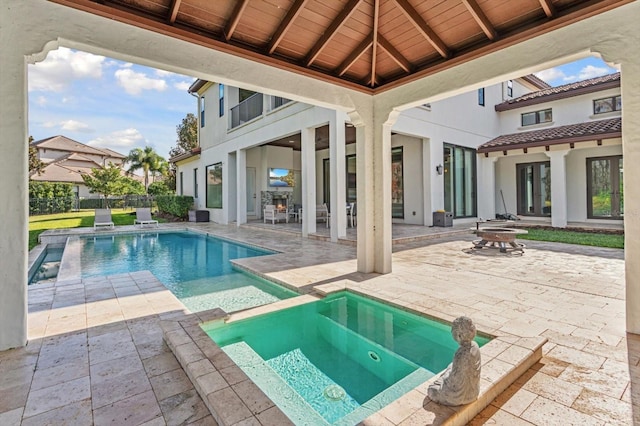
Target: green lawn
column 574, row 237
column 84, row 218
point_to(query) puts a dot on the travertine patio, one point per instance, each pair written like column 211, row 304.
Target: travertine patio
column 96, row 353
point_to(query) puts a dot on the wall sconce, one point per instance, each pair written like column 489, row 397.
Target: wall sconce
column 439, row 169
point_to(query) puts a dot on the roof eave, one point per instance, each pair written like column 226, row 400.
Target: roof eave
column 185, row 155
column 550, row 142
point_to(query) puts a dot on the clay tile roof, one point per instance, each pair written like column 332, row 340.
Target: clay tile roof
column 581, row 132
column 568, row 90
column 63, row 143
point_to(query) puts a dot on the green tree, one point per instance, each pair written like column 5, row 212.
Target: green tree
column 35, row 165
column 187, row 132
column 146, row 159
column 107, row 181
column 159, row 188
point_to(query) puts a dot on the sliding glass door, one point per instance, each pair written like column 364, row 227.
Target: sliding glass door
column 460, row 180
column 534, row 189
column 605, row 195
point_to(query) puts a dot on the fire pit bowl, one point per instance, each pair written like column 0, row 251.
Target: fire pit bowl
column 499, row 238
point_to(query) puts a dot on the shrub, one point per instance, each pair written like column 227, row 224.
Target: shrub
column 159, row 188
column 176, row 205
column 50, row 197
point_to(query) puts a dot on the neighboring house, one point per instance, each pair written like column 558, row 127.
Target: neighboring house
column 66, row 160
column 446, row 155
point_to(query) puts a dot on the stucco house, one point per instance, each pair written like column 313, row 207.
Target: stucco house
column 533, row 145
column 66, row 160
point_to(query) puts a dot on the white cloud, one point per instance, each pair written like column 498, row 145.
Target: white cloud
column 49, row 124
column 127, row 65
column 182, row 85
column 135, row 82
column 551, row 74
column 591, row 71
column 163, row 73
column 41, row 100
column 75, row 126
column 62, row 66
column 128, row 138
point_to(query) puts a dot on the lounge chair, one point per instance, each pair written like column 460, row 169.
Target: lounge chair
column 103, row 218
column 143, row 217
column 271, row 213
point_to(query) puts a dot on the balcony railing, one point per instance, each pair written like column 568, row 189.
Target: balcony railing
column 246, row 110
column 277, row 102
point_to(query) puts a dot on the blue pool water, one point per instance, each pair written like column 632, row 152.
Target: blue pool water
column 341, row 358
column 196, row 268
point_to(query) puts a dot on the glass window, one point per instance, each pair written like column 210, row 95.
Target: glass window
column 195, row 183
column 202, row 111
column 537, row 117
column 601, row 106
column 221, row 99
column 214, row 186
column 460, row 180
column 351, row 179
column 510, row 88
column 181, row 186
column 605, row 195
column 534, row 188
column 326, row 182
column 397, row 184
column 481, row 96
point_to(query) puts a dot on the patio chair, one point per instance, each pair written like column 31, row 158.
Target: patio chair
column 322, row 213
column 143, row 217
column 271, row 213
column 353, row 212
column 102, row 219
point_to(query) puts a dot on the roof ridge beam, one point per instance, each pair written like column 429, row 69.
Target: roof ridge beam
column 286, row 23
column 342, row 17
column 548, row 7
column 420, row 24
column 355, row 54
column 394, row 54
column 374, row 40
column 476, row 11
column 173, row 11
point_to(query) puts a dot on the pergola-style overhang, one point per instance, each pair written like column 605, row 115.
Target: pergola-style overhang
column 370, row 59
column 367, row 45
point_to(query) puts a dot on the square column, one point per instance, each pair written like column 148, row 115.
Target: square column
column 241, row 187
column 308, row 159
column 487, row 187
column 337, row 179
column 558, row 188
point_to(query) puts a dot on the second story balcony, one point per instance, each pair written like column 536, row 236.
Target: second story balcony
column 247, row 110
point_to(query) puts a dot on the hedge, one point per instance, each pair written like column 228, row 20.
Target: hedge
column 176, row 205
column 50, row 197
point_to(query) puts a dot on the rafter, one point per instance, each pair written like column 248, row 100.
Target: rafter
column 394, row 54
column 548, row 7
column 481, row 19
column 374, row 54
column 331, row 31
column 355, row 54
column 173, row 11
column 424, row 28
column 286, row 24
column 235, row 19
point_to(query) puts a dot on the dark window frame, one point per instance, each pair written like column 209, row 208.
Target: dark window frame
column 615, row 183
column 481, row 94
column 195, row 182
column 538, row 209
column 537, row 115
column 510, row 88
column 212, row 204
column 616, row 104
column 202, row 108
column 221, row 100
column 474, row 178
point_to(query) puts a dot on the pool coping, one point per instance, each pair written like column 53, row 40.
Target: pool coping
column 232, row 397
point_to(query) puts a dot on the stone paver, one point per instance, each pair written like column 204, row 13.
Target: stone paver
column 96, row 353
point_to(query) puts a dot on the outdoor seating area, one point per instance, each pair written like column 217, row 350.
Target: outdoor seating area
column 143, row 217
column 97, row 345
column 103, row 219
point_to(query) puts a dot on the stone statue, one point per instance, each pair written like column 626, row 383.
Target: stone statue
column 460, row 382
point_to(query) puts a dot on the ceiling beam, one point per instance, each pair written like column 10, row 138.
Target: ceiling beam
column 173, row 11
column 355, row 54
column 426, row 31
column 374, row 40
column 235, row 19
column 286, row 23
column 482, row 20
column 548, row 7
column 331, row 31
column 394, row 53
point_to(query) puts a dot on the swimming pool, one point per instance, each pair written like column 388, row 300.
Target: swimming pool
column 338, row 360
column 45, row 268
column 194, row 267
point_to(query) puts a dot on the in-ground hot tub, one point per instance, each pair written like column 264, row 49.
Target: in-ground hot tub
column 500, row 238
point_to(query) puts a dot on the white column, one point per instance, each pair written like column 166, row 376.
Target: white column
column 428, row 176
column 241, row 187
column 373, row 168
column 558, row 188
column 14, row 192
column 631, row 157
column 487, row 187
column 308, row 157
column 337, row 177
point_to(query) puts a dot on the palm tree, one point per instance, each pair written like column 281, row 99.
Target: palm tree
column 147, row 160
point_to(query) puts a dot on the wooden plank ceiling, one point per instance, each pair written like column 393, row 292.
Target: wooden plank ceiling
column 368, row 45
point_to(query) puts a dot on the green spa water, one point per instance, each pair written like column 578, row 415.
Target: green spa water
column 338, row 360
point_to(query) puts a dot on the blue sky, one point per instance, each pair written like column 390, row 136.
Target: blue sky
column 118, row 105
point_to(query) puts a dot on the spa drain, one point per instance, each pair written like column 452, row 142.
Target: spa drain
column 334, row 393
